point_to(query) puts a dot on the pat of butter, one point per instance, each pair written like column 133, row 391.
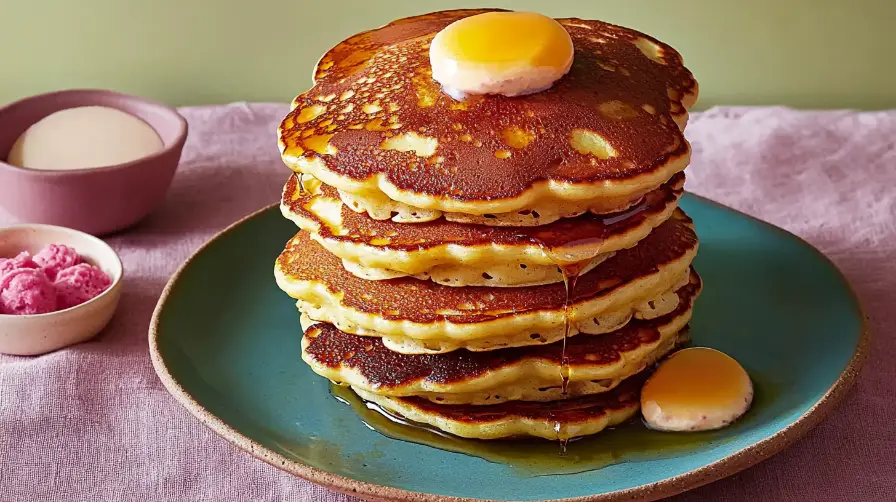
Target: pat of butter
column 84, row 137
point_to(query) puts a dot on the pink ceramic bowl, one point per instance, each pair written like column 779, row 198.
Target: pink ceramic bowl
column 96, row 201
column 28, row 335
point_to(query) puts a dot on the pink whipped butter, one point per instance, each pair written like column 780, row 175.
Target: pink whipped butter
column 55, row 278
column 75, row 285
column 23, row 260
column 26, row 291
column 55, row 258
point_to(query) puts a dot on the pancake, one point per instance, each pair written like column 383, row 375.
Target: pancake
column 596, row 363
column 554, row 420
column 420, row 316
column 458, row 254
column 376, row 126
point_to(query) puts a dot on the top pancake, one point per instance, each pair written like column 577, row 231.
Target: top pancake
column 377, row 126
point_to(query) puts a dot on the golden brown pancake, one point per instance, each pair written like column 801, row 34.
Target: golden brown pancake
column 376, row 126
column 458, row 254
column 554, row 420
column 595, row 363
column 633, row 281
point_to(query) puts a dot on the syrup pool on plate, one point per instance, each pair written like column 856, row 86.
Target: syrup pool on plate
column 630, row 441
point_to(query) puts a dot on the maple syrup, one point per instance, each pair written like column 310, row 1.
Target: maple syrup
column 634, row 209
column 627, row 442
column 570, row 273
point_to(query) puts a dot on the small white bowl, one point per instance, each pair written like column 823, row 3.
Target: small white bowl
column 28, row 335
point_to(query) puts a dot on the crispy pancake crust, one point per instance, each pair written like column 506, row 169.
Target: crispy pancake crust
column 424, row 310
column 437, row 250
column 554, row 420
column 527, row 373
column 375, row 123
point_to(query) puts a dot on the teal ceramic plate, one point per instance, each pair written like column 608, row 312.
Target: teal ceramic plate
column 226, row 343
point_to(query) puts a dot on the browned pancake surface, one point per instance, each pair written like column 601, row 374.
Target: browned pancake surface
column 378, row 84
column 425, row 301
column 387, row 234
column 329, row 346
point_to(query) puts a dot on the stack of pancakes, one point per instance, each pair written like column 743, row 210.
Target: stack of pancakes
column 493, row 267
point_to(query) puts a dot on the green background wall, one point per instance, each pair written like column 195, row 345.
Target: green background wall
column 804, row 53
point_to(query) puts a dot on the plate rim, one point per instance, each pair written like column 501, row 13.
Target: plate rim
column 731, row 464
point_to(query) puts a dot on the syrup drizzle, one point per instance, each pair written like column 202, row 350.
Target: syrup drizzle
column 570, row 277
column 633, row 210
column 570, row 273
column 562, row 436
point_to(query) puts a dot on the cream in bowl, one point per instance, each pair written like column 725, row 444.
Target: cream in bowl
column 58, row 287
column 84, row 137
column 96, row 161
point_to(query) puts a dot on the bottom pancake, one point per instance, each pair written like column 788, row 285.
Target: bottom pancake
column 556, row 420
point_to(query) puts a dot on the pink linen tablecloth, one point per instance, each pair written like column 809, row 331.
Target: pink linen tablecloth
column 93, row 422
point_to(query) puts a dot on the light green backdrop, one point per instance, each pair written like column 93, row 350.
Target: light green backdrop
column 805, row 53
